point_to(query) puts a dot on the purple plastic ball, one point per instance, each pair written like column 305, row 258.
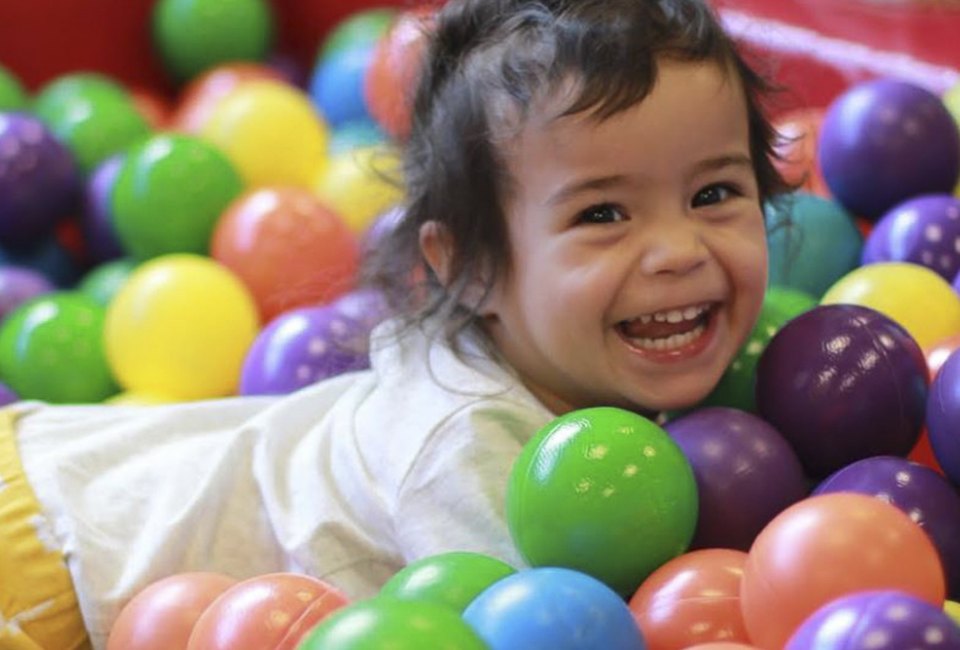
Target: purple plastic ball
column 924, row 231
column 7, row 396
column 943, row 417
column 842, row 383
column 39, row 181
column 306, row 345
column 877, row 620
column 885, row 141
column 746, row 474
column 18, row 285
column 96, row 218
column 920, row 492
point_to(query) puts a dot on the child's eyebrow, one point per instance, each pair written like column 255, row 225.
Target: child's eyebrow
column 721, row 162
column 570, row 190
column 576, row 187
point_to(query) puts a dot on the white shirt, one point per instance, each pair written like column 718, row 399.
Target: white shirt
column 347, row 480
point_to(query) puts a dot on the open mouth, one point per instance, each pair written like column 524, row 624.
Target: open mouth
column 668, row 331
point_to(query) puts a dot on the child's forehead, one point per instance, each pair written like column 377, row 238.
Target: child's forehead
column 550, row 108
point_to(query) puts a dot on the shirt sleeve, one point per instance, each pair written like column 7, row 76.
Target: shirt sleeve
column 454, row 496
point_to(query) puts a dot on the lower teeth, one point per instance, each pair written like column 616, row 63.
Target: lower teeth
column 670, row 342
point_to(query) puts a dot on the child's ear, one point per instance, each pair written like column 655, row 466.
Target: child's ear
column 437, row 249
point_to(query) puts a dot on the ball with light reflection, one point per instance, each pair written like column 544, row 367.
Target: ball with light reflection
column 884, row 141
column 842, row 383
column 604, row 491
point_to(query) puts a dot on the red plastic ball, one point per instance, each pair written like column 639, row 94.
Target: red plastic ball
column 828, row 546
column 162, row 616
column 269, row 612
column 694, row 598
column 287, row 247
column 392, row 76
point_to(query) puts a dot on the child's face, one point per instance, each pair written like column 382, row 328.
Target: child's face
column 619, row 225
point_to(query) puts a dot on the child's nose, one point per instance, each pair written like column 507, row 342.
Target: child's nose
column 674, row 247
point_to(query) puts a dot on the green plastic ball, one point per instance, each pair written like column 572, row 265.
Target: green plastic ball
column 362, row 29
column 12, row 95
column 451, row 579
column 790, row 302
column 603, row 491
column 195, row 35
column 737, row 387
column 382, row 623
column 169, row 195
column 93, row 116
column 51, row 349
column 103, row 282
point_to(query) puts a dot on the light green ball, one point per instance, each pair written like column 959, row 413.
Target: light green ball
column 195, row 35
column 452, row 579
column 603, row 491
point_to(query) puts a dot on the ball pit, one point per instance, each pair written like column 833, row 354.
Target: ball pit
column 299, row 24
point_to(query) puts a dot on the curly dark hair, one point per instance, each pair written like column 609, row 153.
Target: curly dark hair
column 483, row 55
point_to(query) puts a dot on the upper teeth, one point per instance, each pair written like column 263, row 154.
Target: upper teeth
column 675, row 315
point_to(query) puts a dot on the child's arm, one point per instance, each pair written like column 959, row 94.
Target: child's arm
column 454, row 497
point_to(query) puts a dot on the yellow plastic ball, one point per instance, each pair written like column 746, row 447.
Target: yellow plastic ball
column 180, row 327
column 128, row 398
column 952, row 608
column 919, row 299
column 360, row 185
column 271, row 132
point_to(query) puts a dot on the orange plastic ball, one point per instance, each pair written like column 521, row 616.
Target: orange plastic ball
column 694, row 598
column 162, row 616
column 287, row 247
column 273, row 611
column 828, row 546
column 202, row 94
column 392, row 74
column 721, row 645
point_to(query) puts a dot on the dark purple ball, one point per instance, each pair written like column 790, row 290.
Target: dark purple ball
column 877, row 620
column 924, row 231
column 96, row 218
column 306, row 345
column 842, row 383
column 924, row 495
column 39, row 181
column 18, row 285
column 885, row 141
column 746, row 474
column 943, row 417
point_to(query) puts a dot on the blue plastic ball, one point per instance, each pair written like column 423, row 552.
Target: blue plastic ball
column 553, row 609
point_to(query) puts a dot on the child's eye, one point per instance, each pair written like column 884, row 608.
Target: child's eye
column 603, row 213
column 713, row 194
